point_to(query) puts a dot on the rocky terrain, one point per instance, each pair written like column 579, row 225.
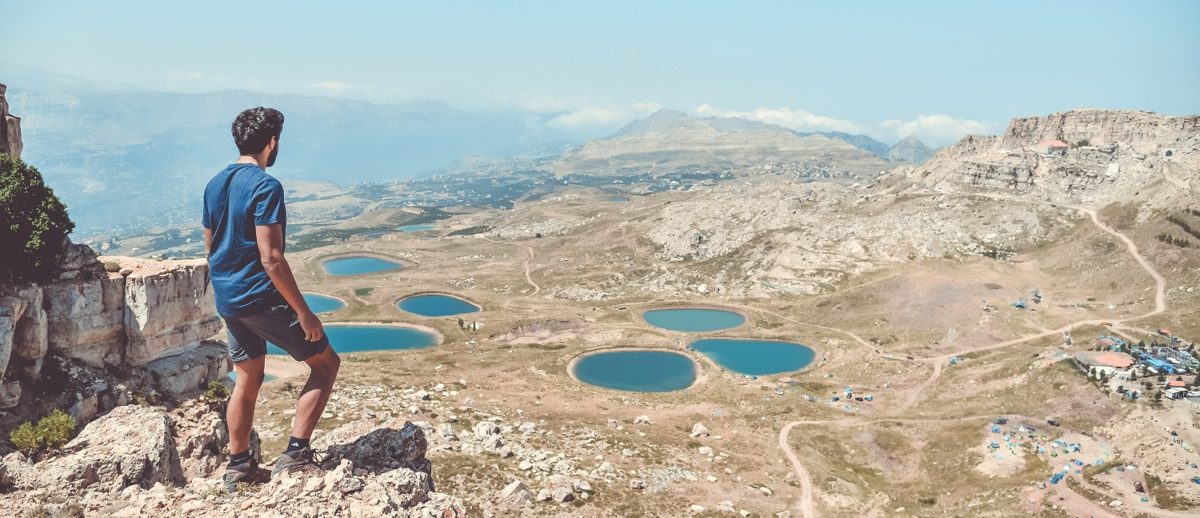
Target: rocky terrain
column 1112, row 156
column 10, row 128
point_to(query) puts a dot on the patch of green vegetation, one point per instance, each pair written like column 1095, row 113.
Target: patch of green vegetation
column 363, row 292
column 470, row 231
column 112, row 266
column 1165, row 497
column 35, row 226
column 217, row 392
column 50, row 433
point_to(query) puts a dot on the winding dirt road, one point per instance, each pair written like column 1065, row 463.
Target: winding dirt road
column 529, row 279
column 805, row 504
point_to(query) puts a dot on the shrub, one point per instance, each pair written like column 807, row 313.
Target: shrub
column 217, row 392
column 50, row 433
column 33, row 223
column 25, row 439
column 112, row 266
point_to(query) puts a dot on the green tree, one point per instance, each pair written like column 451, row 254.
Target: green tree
column 33, row 223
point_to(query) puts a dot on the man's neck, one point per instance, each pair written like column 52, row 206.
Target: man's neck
column 261, row 162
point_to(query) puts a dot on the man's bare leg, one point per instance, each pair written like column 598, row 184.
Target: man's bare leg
column 323, row 369
column 240, row 413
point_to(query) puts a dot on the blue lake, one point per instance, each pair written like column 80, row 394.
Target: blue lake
column 416, row 228
column 358, row 265
column 355, row 339
column 637, row 371
column 436, row 305
column 693, row 320
column 266, row 377
column 755, row 357
column 323, row 303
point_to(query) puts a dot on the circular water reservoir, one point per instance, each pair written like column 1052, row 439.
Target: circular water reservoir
column 358, row 265
column 323, row 303
column 356, row 338
column 436, row 305
column 756, row 357
column 266, row 377
column 416, row 228
column 636, row 370
column 694, row 320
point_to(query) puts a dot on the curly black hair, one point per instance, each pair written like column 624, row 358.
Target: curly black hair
column 253, row 129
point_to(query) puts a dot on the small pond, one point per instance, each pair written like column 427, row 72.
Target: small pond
column 323, row 303
column 694, row 320
column 358, row 265
column 636, row 370
column 382, row 337
column 436, row 305
column 755, row 357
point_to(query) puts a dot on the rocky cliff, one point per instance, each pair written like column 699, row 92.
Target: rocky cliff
column 1108, row 156
column 89, row 338
column 10, row 128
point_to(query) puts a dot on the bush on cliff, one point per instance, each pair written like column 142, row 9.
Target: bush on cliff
column 50, row 433
column 33, row 223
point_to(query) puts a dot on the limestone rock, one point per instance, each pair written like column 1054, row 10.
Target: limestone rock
column 378, row 447
column 132, row 445
column 563, row 494
column 168, row 311
column 10, row 128
column 515, row 494
column 699, row 430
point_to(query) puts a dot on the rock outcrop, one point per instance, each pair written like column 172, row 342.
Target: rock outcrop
column 1103, row 156
column 10, row 128
column 108, row 334
column 141, row 460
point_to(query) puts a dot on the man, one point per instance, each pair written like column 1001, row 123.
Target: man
column 244, row 223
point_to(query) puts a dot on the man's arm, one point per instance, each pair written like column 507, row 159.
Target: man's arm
column 207, row 242
column 270, row 249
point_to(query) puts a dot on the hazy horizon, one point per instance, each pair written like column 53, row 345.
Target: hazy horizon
column 935, row 70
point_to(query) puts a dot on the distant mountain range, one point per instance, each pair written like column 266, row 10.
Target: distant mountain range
column 668, row 141
column 124, row 158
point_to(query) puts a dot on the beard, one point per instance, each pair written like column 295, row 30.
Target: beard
column 273, row 156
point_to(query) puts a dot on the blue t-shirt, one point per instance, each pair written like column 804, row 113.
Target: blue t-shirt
column 235, row 201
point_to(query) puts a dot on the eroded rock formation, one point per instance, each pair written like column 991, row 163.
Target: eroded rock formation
column 10, row 128
column 143, row 329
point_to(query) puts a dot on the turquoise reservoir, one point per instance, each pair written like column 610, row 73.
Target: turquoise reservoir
column 323, row 303
column 359, row 265
column 355, row 339
column 756, row 357
column 693, row 320
column 436, row 305
column 416, row 228
column 637, row 370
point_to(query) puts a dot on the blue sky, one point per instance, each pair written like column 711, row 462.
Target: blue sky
column 939, row 69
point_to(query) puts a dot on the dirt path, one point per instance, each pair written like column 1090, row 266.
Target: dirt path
column 805, row 505
column 529, row 279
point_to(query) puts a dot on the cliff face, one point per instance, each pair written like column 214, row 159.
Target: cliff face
column 1109, row 156
column 147, row 323
column 10, row 128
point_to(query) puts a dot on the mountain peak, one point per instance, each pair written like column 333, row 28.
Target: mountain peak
column 911, row 150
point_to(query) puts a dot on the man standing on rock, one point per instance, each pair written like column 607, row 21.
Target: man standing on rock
column 256, row 294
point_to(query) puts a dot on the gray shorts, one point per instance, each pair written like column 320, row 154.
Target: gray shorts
column 248, row 336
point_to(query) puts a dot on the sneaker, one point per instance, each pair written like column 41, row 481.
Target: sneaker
column 238, row 474
column 290, row 461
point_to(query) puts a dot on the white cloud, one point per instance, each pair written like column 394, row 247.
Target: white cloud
column 796, row 119
column 577, row 114
column 937, row 129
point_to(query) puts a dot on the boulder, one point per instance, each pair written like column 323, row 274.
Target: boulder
column 515, row 494
column 378, row 447
column 562, row 494
column 167, row 311
column 132, row 445
column 699, row 430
